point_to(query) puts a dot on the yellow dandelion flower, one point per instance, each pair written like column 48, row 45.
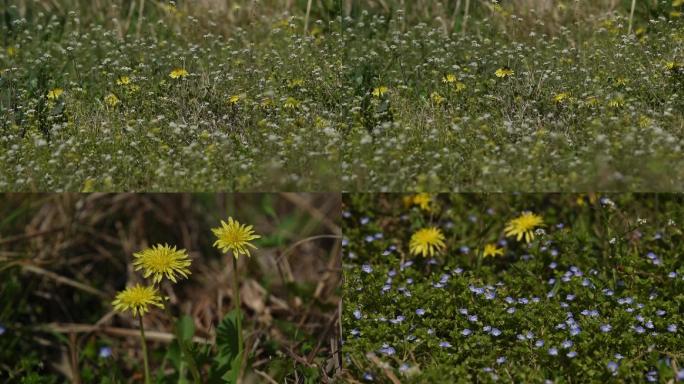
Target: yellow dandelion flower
column 491, row 250
column 620, row 81
column 616, row 102
column 137, row 299
column 380, row 91
column 11, row 51
column 677, row 3
column 561, row 97
column 592, row 101
column 523, row 226
column 178, row 73
column 504, row 72
column 234, row 99
column 459, row 86
column 234, row 237
column 427, row 241
column 449, row 78
column 123, row 80
column 291, row 103
column 675, row 14
column 112, row 100
column 162, row 261
column 423, row 200
column 295, row 83
column 437, row 98
column 55, row 93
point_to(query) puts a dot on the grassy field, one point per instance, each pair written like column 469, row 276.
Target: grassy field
column 523, row 95
column 594, row 296
column 65, row 257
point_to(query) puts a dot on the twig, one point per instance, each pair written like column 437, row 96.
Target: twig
column 159, row 336
column 13, row 239
column 390, row 375
column 64, row 280
column 265, row 376
column 300, row 202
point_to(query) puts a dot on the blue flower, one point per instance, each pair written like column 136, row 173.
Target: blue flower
column 387, row 350
column 500, row 359
column 420, row 311
column 404, row 367
column 496, row 332
column 367, row 376
column 672, row 328
column 357, row 314
column 364, row 220
column 606, row 328
column 466, row 332
column 553, row 265
column 571, row 354
column 680, row 374
column 566, row 344
column 612, row 366
column 105, row 352
column 553, row 351
column 639, row 329
column 539, row 343
column 472, row 318
column 367, row 268
column 2, row 330
column 445, row 344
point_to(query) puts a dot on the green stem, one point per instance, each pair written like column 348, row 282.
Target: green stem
column 236, row 294
column 144, row 348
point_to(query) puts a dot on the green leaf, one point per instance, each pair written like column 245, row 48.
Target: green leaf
column 185, row 328
column 226, row 366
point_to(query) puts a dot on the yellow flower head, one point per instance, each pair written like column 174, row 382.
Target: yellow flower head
column 380, row 91
column 137, row 299
column 491, row 250
column 437, row 98
column 234, row 99
column 178, row 73
column 235, row 237
column 11, row 51
column 291, row 103
column 427, row 241
column 561, row 97
column 523, row 226
column 504, row 72
column 423, row 200
column 123, row 80
column 449, row 78
column 55, row 93
column 162, row 261
column 112, row 100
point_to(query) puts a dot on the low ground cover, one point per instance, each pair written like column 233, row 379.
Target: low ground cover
column 454, row 292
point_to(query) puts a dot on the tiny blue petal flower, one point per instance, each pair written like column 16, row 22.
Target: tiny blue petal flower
column 466, row 332
column 566, row 344
column 571, row 354
column 612, row 366
column 672, row 328
column 500, row 359
column 420, row 311
column 367, row 376
column 105, row 352
column 357, row 314
column 553, row 351
column 472, row 318
column 445, row 344
column 606, row 328
column 539, row 343
column 496, row 332
column 367, row 268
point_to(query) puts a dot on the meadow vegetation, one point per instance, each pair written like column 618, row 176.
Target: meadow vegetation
column 515, row 288
column 341, row 95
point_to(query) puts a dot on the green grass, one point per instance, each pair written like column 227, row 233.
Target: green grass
column 600, row 251
column 267, row 105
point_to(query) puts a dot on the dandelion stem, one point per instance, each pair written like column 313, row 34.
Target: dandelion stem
column 144, row 348
column 236, row 294
column 631, row 17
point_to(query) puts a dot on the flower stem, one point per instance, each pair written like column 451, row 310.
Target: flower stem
column 236, row 293
column 144, row 348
